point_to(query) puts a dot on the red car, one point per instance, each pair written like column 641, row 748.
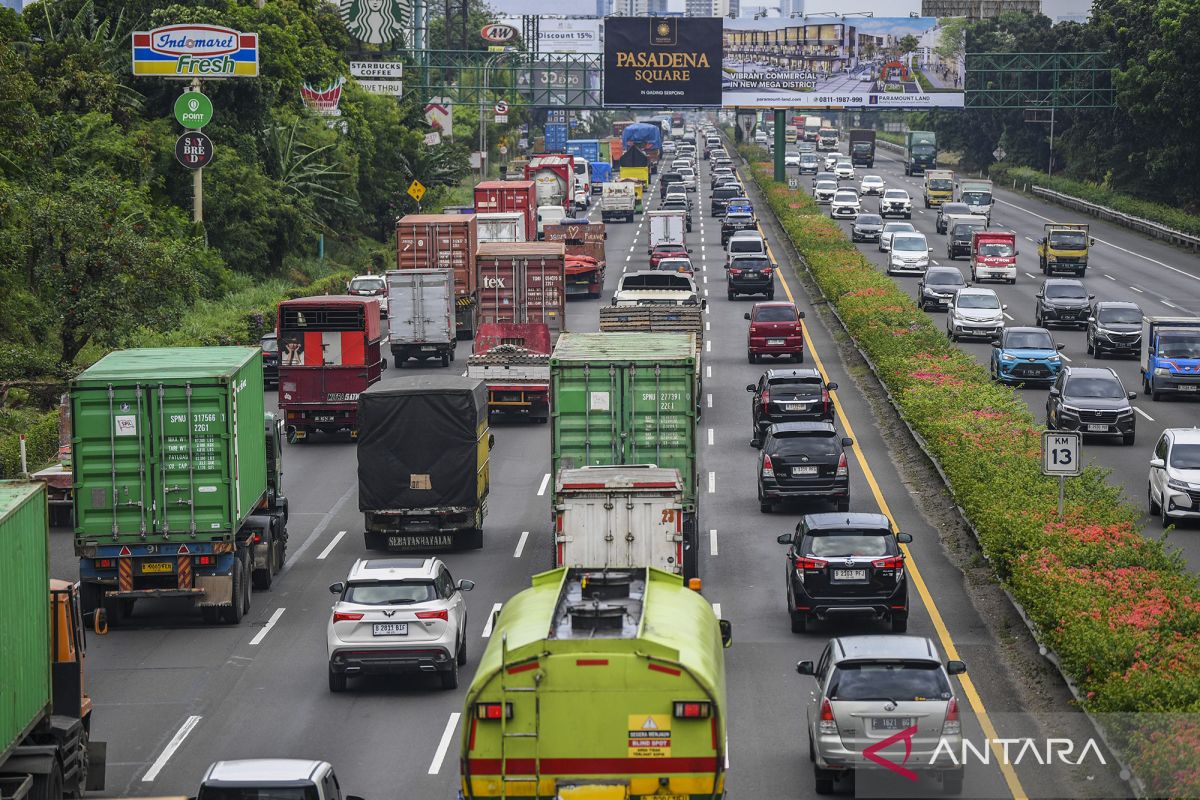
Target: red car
column 667, row 251
column 775, row 330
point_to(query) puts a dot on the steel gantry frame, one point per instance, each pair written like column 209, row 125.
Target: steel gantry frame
column 1039, row 80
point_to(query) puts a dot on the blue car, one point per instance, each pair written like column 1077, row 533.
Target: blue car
column 1025, row 355
column 740, row 204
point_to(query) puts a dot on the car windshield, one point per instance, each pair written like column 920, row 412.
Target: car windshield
column 1067, row 240
column 1066, row 291
column 1181, row 345
column 1120, row 316
column 831, row 544
column 1185, row 456
column 808, row 158
column 826, row 186
column 389, row 593
column 941, row 184
column 909, row 243
column 846, row 197
column 775, row 314
column 820, row 445
column 996, row 249
column 873, row 180
column 270, row 344
column 977, row 198
column 947, row 278
column 308, row 792
column 1107, row 388
column 903, row 681
column 978, row 301
column 1029, row 340
column 366, row 285
column 963, row 229
column 869, row 219
column 895, row 194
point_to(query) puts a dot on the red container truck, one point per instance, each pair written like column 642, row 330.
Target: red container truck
column 329, row 350
column 553, row 176
column 513, row 361
column 523, row 282
column 585, row 256
column 444, row 241
column 495, row 197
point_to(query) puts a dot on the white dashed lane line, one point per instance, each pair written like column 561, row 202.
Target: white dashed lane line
column 1136, row 289
column 1143, row 413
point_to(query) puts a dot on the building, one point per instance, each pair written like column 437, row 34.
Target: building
column 640, row 8
column 711, row 8
column 978, row 9
column 603, row 8
column 823, row 49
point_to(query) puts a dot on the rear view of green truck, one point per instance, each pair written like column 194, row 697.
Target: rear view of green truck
column 172, row 497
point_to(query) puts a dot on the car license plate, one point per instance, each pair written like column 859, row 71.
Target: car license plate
column 428, row 348
column 891, row 723
column 157, row 566
column 1098, row 428
column 322, row 418
column 1189, row 387
column 804, row 470
column 795, row 406
column 849, row 574
column 775, row 342
column 390, row 629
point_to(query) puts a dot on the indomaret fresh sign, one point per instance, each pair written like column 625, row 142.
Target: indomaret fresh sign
column 195, row 51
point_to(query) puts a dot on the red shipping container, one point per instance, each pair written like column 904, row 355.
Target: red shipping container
column 494, row 197
column 440, row 241
column 523, row 282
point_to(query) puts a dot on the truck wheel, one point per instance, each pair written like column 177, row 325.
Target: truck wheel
column 445, row 359
column 116, row 610
column 232, row 614
column 462, row 653
column 48, row 786
column 261, row 579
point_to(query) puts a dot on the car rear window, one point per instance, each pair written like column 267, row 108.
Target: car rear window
column 899, row 681
column 830, row 544
column 750, row 263
column 813, row 382
column 818, row 445
column 775, row 314
column 270, row 345
column 389, row 593
column 725, row 192
column 745, row 246
column 308, row 792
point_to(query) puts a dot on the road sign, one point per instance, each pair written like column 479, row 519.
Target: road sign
column 793, row 183
column 386, row 70
column 433, row 138
column 395, row 88
column 194, row 150
column 501, row 107
column 1060, row 453
column 501, row 118
column 193, row 110
column 416, row 190
column 999, row 154
column 503, row 150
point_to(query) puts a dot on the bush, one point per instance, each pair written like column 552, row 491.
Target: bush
column 1121, row 613
column 41, row 440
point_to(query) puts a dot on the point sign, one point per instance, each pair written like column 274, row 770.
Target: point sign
column 193, row 110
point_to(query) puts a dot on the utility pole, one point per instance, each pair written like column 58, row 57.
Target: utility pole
column 1050, row 163
column 197, row 180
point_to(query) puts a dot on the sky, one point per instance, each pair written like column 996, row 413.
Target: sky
column 895, row 8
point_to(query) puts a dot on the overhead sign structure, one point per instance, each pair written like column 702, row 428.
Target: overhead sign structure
column 194, row 150
column 193, row 110
column 416, row 190
column 662, row 61
column 1060, row 453
column 195, row 51
column 861, row 62
column 385, row 70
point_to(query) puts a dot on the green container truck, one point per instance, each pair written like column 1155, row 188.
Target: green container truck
column 628, row 398
column 45, row 714
column 174, row 493
column 920, row 152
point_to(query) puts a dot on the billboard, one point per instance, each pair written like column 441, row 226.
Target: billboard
column 868, row 62
column 563, row 81
column 195, row 51
column 577, row 35
column 662, row 61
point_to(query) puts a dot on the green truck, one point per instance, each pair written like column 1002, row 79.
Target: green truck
column 46, row 751
column 176, row 490
column 629, row 398
column 920, row 152
column 599, row 684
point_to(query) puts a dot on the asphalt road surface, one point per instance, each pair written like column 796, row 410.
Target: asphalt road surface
column 173, row 695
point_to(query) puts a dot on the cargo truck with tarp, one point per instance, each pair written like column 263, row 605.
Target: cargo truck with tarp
column 628, row 398
column 176, row 494
column 586, row 261
column 423, row 463
column 46, row 745
column 646, row 137
column 599, row 684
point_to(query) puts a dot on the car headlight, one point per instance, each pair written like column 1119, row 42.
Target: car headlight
column 1052, row 258
column 1069, row 409
column 1054, row 359
column 1177, row 485
column 1008, row 357
column 1161, row 371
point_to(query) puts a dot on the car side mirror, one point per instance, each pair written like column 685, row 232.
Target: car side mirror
column 649, row 250
column 756, row 444
column 832, row 387
column 466, row 585
column 1091, row 297
column 800, row 315
column 785, row 538
column 750, row 387
column 1091, row 319
column 806, row 668
column 1039, row 295
column 703, row 303
column 955, row 668
column 847, row 441
column 1132, row 395
column 1060, row 346
column 726, row 632
column 1055, row 392
column 337, row 588
column 746, row 315
column 1157, row 463
column 689, row 249
column 1092, row 242
column 491, row 440
column 996, row 345
column 354, row 797
column 1004, row 308
column 904, row 538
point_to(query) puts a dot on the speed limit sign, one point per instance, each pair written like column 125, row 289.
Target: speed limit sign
column 1060, row 453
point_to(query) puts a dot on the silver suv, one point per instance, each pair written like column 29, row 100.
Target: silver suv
column 397, row 615
column 873, row 688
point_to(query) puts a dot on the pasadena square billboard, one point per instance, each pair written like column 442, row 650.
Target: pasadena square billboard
column 662, row 61
column 852, row 62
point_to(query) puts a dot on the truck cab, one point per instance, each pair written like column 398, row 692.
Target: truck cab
column 939, row 187
column 994, row 256
column 276, row 778
column 1170, row 358
column 1064, row 248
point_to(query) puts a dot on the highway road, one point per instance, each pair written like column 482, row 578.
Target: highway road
column 1124, row 265
column 172, row 695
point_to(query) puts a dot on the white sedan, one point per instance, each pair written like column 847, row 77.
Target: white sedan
column 791, row 158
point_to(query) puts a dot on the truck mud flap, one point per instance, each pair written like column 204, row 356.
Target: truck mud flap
column 218, row 589
column 97, row 764
column 691, row 547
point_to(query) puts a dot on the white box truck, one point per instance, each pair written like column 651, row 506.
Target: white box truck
column 666, row 227
column 421, row 324
column 502, row 226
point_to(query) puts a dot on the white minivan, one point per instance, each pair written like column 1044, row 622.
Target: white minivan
column 548, row 215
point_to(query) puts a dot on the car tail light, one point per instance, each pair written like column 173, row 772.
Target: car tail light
column 346, row 616
column 205, row 561
column 443, row 615
column 493, row 711
column 811, row 563
column 768, row 469
column 825, row 396
column 892, row 562
column 952, row 726
column 104, row 563
column 827, row 725
column 767, row 271
column 766, row 401
column 734, row 272
column 693, row 709
column 257, row 538
column 843, row 469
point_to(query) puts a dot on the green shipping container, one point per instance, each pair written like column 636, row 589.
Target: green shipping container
column 24, row 611
column 168, row 442
column 625, row 398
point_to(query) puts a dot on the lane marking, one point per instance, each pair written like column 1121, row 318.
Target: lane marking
column 1168, row 304
column 435, row 766
column 545, row 482
column 521, row 544
column 1110, row 277
column 710, row 401
column 1032, row 276
column 1136, row 289
column 320, row 529
column 710, row 437
column 1008, row 316
column 1143, row 413
column 169, row 750
column 717, row 609
column 935, row 614
column 708, row 372
column 329, row 547
column 712, row 543
column 708, row 342
column 487, row 628
column 258, row 637
column 707, row 325
column 712, row 482
column 1065, row 357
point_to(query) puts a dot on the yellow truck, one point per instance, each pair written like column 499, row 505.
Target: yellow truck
column 939, row 187
column 1064, row 247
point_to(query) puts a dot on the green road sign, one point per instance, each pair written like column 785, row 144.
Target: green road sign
column 193, row 110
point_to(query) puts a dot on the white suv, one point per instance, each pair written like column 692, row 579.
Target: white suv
column 975, row 312
column 845, row 204
column 370, row 286
column 1174, row 486
column 844, row 168
column 895, row 203
column 397, row 615
column 909, row 252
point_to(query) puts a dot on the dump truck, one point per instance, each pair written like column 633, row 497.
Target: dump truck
column 513, row 361
column 177, row 492
column 920, row 152
column 1170, row 357
column 628, row 398
column 441, row 241
column 423, row 463
column 939, row 187
column 862, row 148
column 46, row 749
column 1064, row 247
column 585, row 256
column 422, row 323
column 599, row 684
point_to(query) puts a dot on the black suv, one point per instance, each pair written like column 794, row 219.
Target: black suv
column 677, row 203
column 803, row 460
column 270, row 348
column 721, row 197
column 1114, row 327
column 846, row 565
column 946, row 210
column 665, row 180
column 1062, row 301
column 789, row 395
column 866, row 228
column 737, row 221
column 749, row 273
column 938, row 286
column 1091, row 400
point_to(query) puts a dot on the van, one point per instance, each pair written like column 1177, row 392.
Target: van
column 548, row 215
column 775, row 330
column 958, row 234
column 746, row 243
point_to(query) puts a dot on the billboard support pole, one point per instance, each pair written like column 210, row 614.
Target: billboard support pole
column 780, row 144
column 197, row 180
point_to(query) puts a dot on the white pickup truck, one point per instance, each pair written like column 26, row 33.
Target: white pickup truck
column 275, row 778
column 657, row 288
column 618, row 200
